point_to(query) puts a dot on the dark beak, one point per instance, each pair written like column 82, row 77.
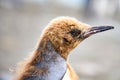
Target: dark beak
column 95, row 30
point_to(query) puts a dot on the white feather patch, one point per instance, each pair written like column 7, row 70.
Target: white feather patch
column 66, row 76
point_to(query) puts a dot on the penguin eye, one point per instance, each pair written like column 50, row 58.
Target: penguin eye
column 75, row 32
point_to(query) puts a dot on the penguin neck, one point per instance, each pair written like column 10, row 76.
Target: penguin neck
column 51, row 61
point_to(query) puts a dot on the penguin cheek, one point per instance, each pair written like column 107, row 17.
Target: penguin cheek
column 65, row 40
column 75, row 44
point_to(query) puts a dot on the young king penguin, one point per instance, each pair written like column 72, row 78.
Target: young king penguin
column 49, row 59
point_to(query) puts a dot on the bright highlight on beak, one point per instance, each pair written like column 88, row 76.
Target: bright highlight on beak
column 95, row 30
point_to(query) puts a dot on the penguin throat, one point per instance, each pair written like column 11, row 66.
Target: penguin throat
column 50, row 62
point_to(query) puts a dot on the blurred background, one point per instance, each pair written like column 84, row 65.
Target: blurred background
column 21, row 23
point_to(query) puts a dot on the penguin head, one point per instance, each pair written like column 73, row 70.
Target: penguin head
column 66, row 33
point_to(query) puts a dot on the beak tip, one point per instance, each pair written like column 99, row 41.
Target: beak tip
column 111, row 27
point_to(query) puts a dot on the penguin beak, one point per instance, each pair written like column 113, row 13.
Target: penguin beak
column 94, row 30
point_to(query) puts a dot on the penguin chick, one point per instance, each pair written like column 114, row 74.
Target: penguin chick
column 49, row 59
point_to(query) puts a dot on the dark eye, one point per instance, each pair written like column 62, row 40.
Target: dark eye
column 75, row 32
